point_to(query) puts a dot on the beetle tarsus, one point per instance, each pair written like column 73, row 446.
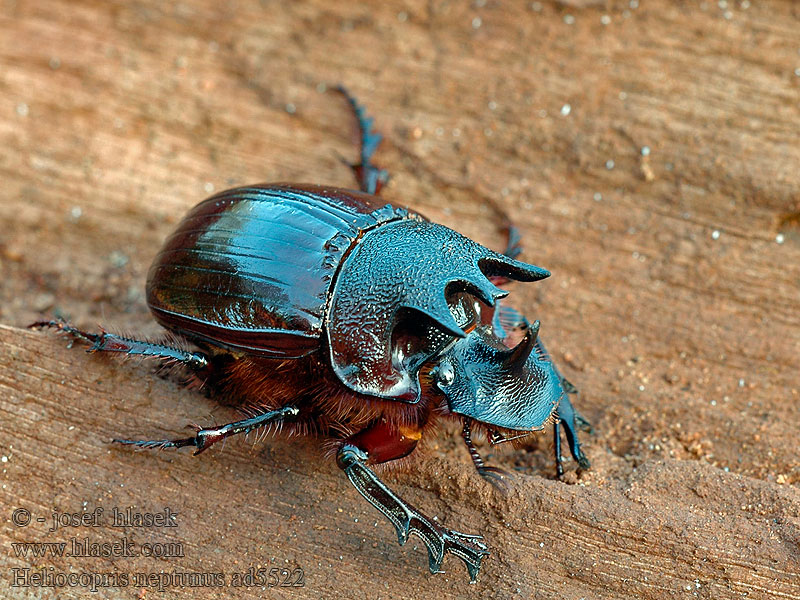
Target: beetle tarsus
column 157, row 444
column 499, row 478
column 207, row 437
column 513, row 238
column 407, row 519
column 571, row 420
column 109, row 342
column 370, row 177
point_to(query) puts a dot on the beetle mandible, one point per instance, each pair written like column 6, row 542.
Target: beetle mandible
column 333, row 314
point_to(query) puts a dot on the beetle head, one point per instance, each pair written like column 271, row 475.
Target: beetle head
column 389, row 312
column 513, row 388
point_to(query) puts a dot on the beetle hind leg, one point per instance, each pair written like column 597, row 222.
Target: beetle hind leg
column 109, row 342
column 206, row 437
column 513, row 246
column 370, row 177
column 407, row 519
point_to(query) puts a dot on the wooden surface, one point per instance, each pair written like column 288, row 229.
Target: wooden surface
column 674, row 303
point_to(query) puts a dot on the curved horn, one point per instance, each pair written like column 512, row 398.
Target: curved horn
column 499, row 264
column 407, row 264
column 517, row 355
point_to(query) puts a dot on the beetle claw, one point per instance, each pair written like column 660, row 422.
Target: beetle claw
column 454, row 542
column 499, row 478
column 407, row 519
column 583, row 424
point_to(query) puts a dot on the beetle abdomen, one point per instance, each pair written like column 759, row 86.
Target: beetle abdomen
column 250, row 268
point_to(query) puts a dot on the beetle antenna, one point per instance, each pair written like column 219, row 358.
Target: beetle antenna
column 495, row 437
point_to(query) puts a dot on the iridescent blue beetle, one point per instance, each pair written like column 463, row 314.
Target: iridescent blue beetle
column 329, row 313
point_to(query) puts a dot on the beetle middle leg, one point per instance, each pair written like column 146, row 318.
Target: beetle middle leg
column 370, row 177
column 206, row 437
column 379, row 444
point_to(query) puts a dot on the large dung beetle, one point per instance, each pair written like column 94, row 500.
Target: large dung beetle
column 329, row 313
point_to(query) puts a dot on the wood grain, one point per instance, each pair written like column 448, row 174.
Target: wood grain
column 674, row 302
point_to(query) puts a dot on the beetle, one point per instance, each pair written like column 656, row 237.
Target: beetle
column 327, row 312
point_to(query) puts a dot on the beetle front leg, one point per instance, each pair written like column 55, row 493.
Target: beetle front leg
column 206, row 437
column 407, row 519
column 572, row 421
column 569, row 418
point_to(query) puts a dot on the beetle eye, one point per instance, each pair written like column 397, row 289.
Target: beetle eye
column 444, row 374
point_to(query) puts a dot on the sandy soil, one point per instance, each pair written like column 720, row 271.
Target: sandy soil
column 647, row 150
